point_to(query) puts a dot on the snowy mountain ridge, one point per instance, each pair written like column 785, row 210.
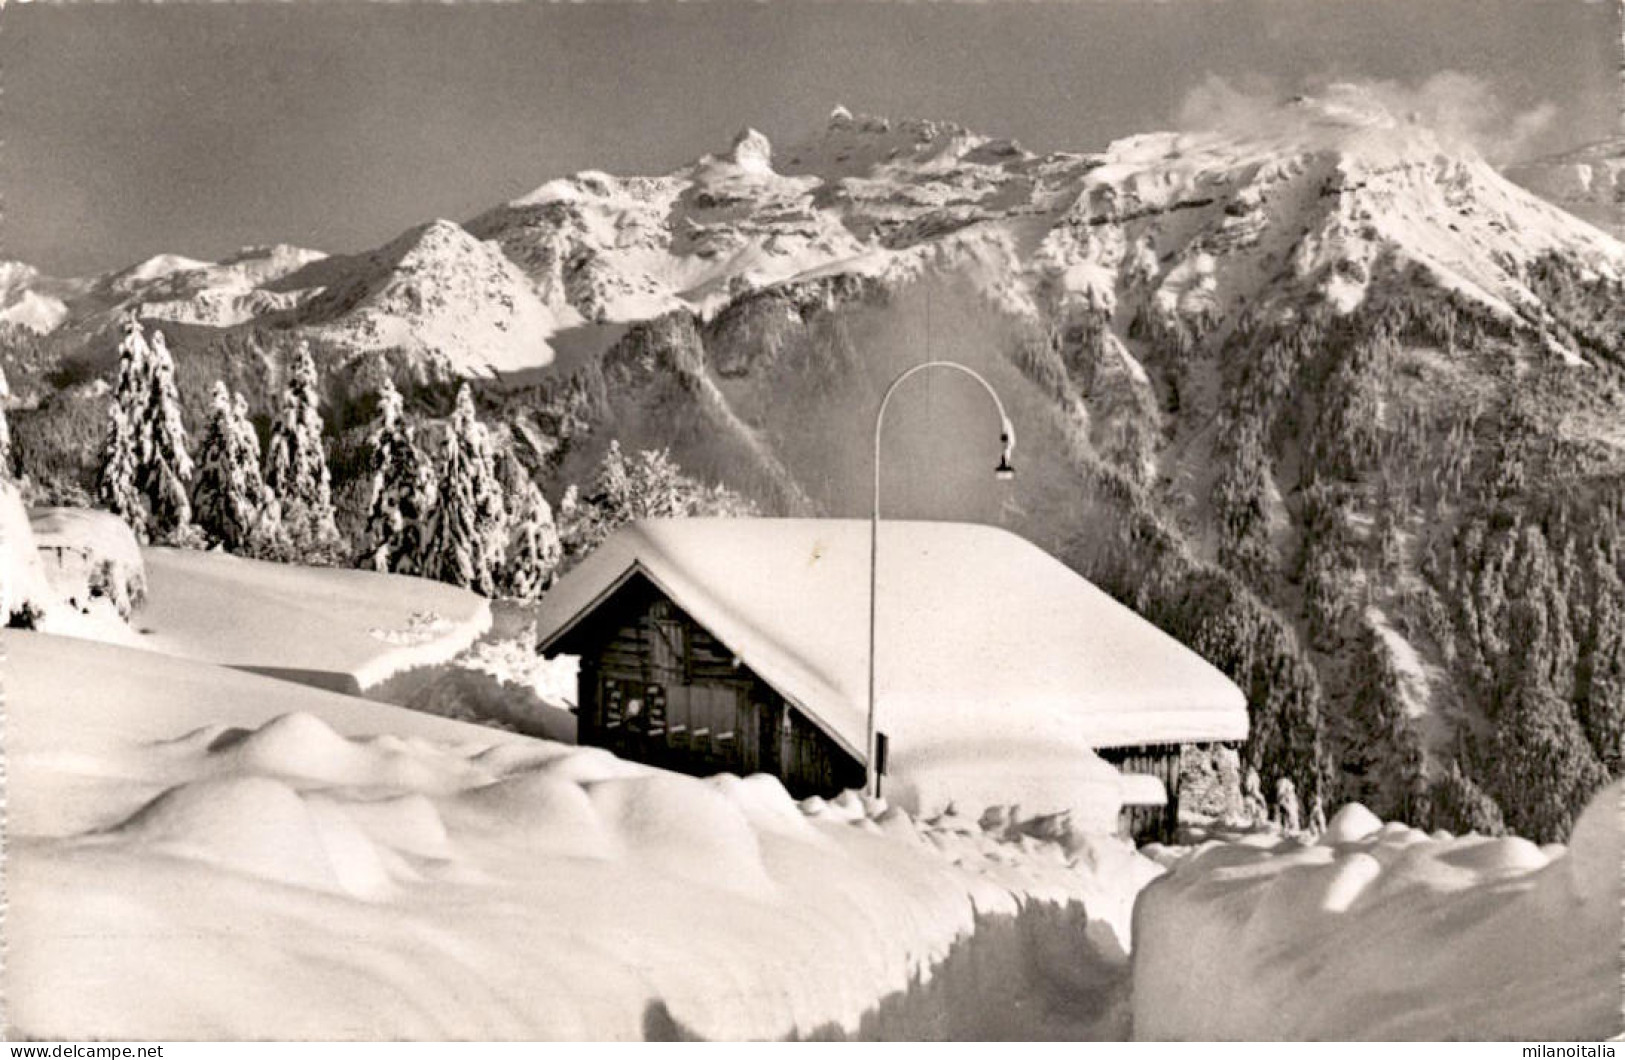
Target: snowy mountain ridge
column 1588, row 182
column 1182, row 226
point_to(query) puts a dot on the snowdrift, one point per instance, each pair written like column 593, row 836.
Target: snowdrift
column 1379, row 931
column 203, row 853
column 340, row 629
column 90, row 555
column 23, row 584
column 84, row 575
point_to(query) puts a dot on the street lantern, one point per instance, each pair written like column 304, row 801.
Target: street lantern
column 1004, row 472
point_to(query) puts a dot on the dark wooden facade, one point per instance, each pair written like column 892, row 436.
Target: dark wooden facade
column 657, row 687
column 1148, row 824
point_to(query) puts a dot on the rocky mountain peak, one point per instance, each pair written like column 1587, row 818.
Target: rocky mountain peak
column 752, row 151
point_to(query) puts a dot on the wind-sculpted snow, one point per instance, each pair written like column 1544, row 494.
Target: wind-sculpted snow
column 306, row 865
column 1380, row 931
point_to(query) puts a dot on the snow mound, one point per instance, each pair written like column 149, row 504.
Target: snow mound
column 1596, row 852
column 1350, row 824
column 1385, row 933
column 303, row 747
column 764, row 803
column 261, row 828
column 23, row 583
column 553, row 815
column 93, row 553
column 685, row 826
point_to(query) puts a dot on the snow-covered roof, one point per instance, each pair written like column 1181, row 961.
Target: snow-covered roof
column 983, row 638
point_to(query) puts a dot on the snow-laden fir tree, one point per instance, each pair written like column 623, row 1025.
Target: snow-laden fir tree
column 534, row 548
column 164, row 472
column 230, row 500
column 296, row 463
column 401, row 491
column 649, row 485
column 469, row 508
column 266, row 537
column 490, row 500
column 121, row 450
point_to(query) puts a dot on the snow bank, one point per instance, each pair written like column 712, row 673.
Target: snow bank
column 23, row 584
column 204, row 853
column 342, row 629
column 514, row 661
column 1379, row 931
column 90, row 555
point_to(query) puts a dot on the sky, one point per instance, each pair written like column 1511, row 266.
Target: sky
column 131, row 130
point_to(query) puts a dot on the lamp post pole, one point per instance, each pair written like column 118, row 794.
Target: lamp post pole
column 1004, row 471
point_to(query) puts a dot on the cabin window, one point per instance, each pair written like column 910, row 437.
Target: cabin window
column 668, row 647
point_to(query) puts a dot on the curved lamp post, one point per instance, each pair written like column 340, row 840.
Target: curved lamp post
column 1004, row 472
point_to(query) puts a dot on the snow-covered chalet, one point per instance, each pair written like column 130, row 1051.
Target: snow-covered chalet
column 1002, row 676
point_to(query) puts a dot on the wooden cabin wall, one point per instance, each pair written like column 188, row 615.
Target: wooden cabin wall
column 1148, row 824
column 697, row 710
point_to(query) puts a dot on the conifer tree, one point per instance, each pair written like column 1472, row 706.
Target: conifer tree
column 230, row 500
column 401, row 491
column 164, row 473
column 469, row 508
column 116, row 481
column 296, row 463
column 1601, row 699
column 265, row 534
column 535, row 549
column 490, row 501
column 649, row 485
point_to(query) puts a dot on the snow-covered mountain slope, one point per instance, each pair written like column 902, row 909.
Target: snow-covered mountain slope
column 31, row 300
column 436, row 293
column 1187, row 225
column 1588, row 182
column 1182, row 226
